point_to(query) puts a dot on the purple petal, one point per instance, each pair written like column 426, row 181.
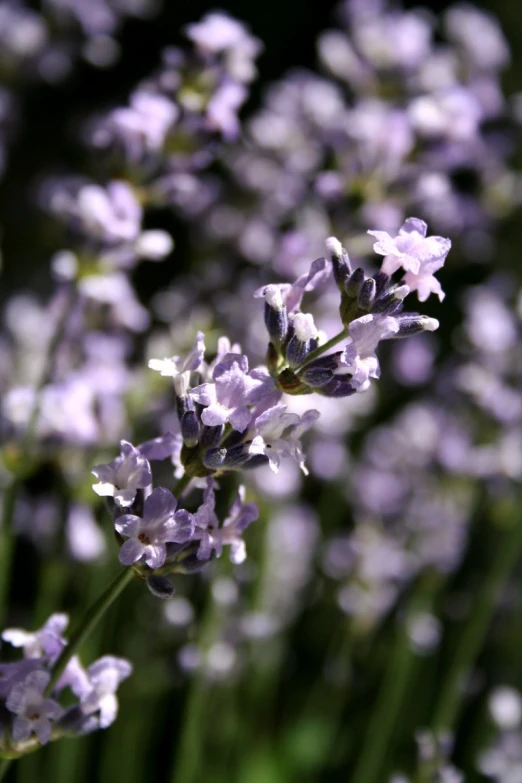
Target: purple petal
column 240, row 419
column 204, row 394
column 155, row 555
column 215, row 415
column 128, row 524
column 130, row 552
column 160, row 505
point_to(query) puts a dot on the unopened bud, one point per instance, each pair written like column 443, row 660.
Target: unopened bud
column 160, row 587
column 367, row 293
column 190, row 428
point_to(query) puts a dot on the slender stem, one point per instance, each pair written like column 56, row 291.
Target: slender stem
column 90, row 621
column 391, row 695
column 321, row 349
column 6, row 543
column 472, row 637
column 187, row 758
column 181, row 485
column 4, row 767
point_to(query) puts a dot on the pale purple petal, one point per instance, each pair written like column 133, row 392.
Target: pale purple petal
column 160, row 505
column 131, row 551
column 128, row 524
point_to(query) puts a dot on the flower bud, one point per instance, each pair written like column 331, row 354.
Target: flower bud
column 340, row 262
column 367, row 293
column 189, row 425
column 160, row 586
column 276, row 317
column 411, row 324
column 210, row 436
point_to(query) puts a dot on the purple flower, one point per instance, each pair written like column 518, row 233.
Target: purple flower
column 34, row 712
column 279, row 433
column 122, row 477
column 105, row 675
column 230, row 534
column 219, row 34
column 179, row 369
column 148, row 536
column 160, row 448
column 358, row 358
column 234, row 389
column 142, row 126
column 45, row 643
column 14, row 673
column 420, row 256
column 292, row 294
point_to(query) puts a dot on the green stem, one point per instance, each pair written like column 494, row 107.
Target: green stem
column 390, row 699
column 321, row 349
column 6, row 544
column 90, row 621
column 4, row 767
column 472, row 637
column 181, row 485
column 188, row 754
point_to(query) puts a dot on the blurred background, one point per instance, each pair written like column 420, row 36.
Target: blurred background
column 375, row 631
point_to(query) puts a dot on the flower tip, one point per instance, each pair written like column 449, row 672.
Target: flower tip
column 334, row 247
column 430, row 324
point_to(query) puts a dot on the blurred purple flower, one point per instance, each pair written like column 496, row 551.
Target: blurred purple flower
column 34, row 712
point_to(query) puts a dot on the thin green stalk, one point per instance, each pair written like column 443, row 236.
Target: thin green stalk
column 472, row 636
column 186, row 763
column 181, row 485
column 90, row 621
column 392, row 693
column 321, row 349
column 6, row 544
column 4, row 767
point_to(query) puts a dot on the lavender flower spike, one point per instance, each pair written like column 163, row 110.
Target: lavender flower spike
column 279, row 433
column 420, row 256
column 147, row 536
column 122, row 477
column 46, row 643
column 241, row 515
column 358, row 358
column 179, row 369
column 34, row 713
column 234, row 388
column 105, row 675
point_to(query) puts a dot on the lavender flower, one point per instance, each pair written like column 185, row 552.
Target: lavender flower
column 148, row 536
column 279, row 433
column 122, row 477
column 233, row 390
column 46, row 643
column 359, row 358
column 179, row 369
column 230, row 534
column 420, row 256
column 34, row 712
column 105, row 675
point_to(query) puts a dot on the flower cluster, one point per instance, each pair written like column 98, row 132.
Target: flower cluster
column 31, row 710
column 232, row 418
